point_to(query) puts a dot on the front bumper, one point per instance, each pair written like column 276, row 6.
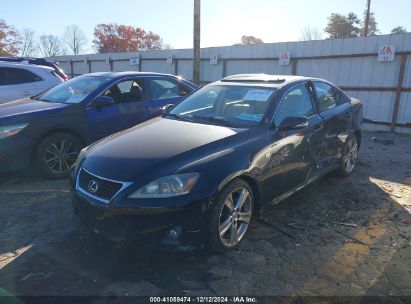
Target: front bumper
column 15, row 152
column 145, row 226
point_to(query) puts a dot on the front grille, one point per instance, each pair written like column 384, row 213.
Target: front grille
column 106, row 189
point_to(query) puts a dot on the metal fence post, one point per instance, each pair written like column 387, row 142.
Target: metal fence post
column 71, row 68
column 294, row 67
column 403, row 61
column 224, row 68
column 176, row 67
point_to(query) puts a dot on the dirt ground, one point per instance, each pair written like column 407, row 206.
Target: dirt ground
column 337, row 236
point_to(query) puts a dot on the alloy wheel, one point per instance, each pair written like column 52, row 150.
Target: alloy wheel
column 350, row 155
column 60, row 155
column 235, row 216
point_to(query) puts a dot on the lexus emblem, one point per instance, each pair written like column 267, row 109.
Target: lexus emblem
column 92, row 186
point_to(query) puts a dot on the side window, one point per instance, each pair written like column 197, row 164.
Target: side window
column 126, row 91
column 327, row 96
column 19, row 76
column 297, row 102
column 163, row 88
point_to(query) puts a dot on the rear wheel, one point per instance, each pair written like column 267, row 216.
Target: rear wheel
column 56, row 154
column 231, row 216
column 349, row 156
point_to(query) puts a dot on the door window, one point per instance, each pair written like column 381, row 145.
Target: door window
column 164, row 88
column 296, row 102
column 10, row 76
column 327, row 96
column 126, row 91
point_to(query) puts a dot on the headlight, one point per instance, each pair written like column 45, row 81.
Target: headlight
column 169, row 186
column 80, row 158
column 11, row 130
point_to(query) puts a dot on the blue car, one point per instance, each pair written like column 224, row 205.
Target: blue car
column 49, row 130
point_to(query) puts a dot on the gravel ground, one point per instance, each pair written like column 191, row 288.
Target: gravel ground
column 335, row 237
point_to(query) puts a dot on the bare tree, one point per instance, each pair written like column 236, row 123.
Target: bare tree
column 311, row 33
column 75, row 39
column 50, row 46
column 28, row 45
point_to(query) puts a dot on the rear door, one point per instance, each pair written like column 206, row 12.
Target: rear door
column 337, row 117
column 128, row 110
column 162, row 91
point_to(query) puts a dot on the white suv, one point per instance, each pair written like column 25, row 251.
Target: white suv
column 19, row 81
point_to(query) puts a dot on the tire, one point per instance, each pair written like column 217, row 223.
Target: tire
column 349, row 156
column 55, row 154
column 229, row 222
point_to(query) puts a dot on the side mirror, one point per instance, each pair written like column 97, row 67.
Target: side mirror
column 166, row 109
column 293, row 123
column 102, row 101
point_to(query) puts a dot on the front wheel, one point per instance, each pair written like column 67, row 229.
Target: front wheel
column 349, row 156
column 56, row 154
column 231, row 216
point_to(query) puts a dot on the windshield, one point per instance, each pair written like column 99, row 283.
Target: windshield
column 74, row 90
column 236, row 106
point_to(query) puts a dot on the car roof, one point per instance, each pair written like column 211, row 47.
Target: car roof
column 23, row 65
column 31, row 60
column 127, row 74
column 276, row 81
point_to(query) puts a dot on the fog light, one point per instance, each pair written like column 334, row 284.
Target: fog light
column 174, row 233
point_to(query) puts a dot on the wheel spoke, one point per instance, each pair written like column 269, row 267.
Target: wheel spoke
column 52, row 163
column 244, row 217
column 233, row 235
column 52, row 149
column 51, row 159
column 229, row 202
column 66, row 165
column 354, row 148
column 241, row 199
column 225, row 226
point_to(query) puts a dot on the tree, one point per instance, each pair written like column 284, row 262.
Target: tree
column 245, row 40
column 28, row 44
column 50, row 46
column 124, row 38
column 340, row 26
column 398, row 30
column 75, row 39
column 372, row 25
column 311, row 33
column 10, row 40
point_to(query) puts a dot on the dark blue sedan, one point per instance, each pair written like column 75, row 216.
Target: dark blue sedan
column 49, row 130
column 216, row 159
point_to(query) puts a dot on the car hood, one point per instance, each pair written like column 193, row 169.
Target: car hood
column 126, row 155
column 15, row 110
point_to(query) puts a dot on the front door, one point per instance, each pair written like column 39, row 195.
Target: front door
column 129, row 109
column 294, row 152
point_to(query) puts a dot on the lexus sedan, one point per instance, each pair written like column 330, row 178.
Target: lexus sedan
column 49, row 130
column 200, row 173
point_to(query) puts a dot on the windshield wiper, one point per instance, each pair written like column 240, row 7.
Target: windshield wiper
column 178, row 117
column 218, row 120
